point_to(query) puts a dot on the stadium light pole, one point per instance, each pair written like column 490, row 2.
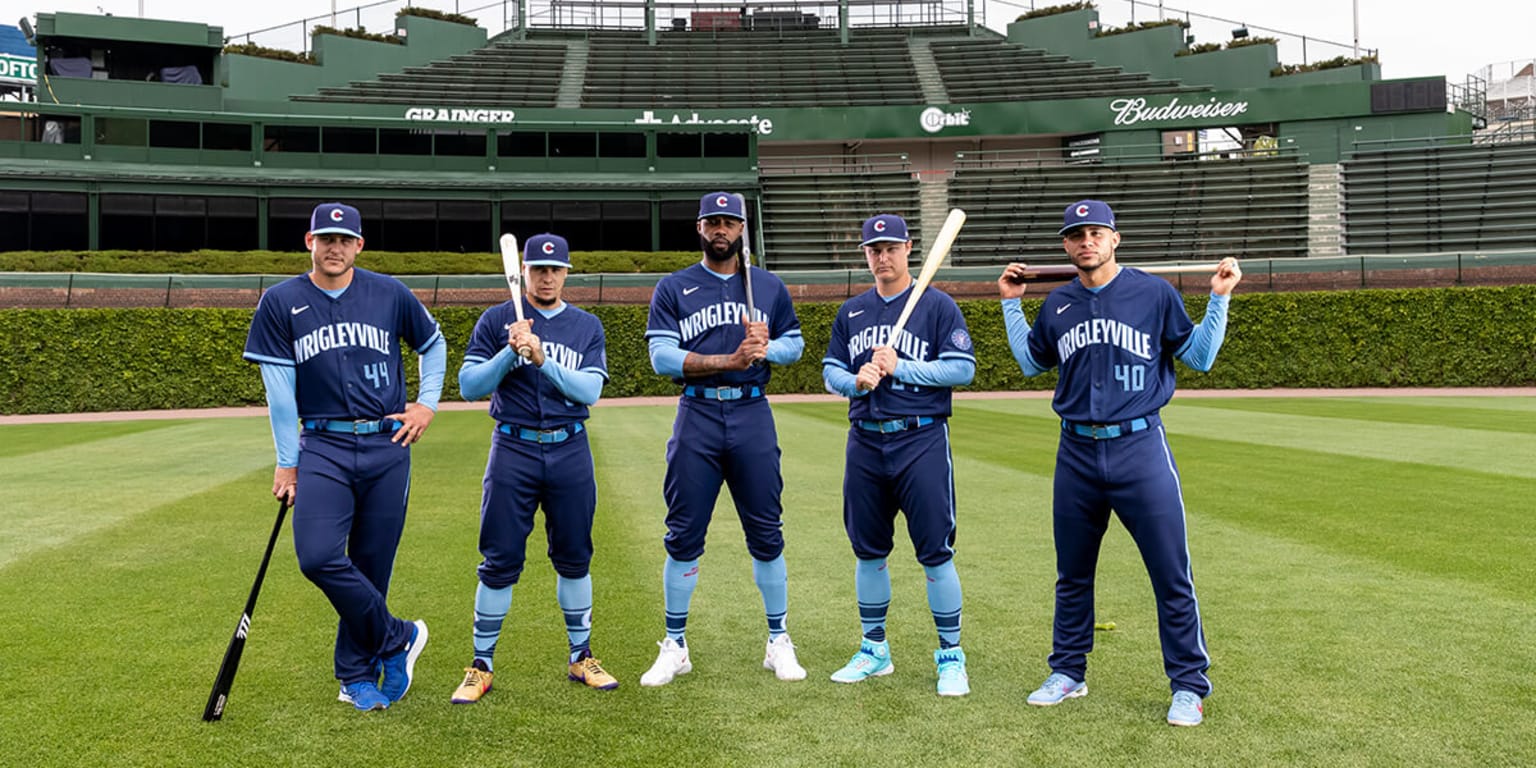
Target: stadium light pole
column 1356, row 5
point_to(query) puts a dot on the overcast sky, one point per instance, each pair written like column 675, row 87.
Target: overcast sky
column 1413, row 39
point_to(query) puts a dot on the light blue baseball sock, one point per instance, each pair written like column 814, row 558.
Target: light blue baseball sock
column 773, row 581
column 575, row 597
column 678, row 580
column 872, row 584
column 944, row 601
column 491, row 606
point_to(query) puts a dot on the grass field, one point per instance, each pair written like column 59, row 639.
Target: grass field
column 1366, row 569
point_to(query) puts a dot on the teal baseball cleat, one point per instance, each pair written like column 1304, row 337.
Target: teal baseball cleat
column 872, row 660
column 953, row 681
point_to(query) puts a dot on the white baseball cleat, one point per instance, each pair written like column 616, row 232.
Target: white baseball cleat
column 780, row 657
column 670, row 662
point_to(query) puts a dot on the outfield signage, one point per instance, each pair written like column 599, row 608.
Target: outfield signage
column 762, row 125
column 934, row 119
column 18, row 69
column 459, row 115
column 1137, row 110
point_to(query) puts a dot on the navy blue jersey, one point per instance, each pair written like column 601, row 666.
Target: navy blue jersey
column 573, row 338
column 346, row 350
column 704, row 313
column 1115, row 348
column 936, row 330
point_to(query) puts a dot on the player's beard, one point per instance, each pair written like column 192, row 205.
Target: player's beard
column 710, row 252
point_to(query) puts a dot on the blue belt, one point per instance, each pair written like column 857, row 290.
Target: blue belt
column 359, row 427
column 722, row 393
column 546, row 436
column 1109, row 431
column 894, row 425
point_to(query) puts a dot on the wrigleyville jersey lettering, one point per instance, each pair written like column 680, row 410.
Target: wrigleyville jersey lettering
column 573, row 339
column 345, row 351
column 1115, row 348
column 704, row 314
column 936, row 330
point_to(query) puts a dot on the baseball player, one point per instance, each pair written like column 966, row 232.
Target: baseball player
column 328, row 343
column 700, row 334
column 1114, row 333
column 898, row 457
column 539, row 456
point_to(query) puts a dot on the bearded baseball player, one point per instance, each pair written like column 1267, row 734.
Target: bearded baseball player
column 539, row 456
column 328, row 343
column 898, row 456
column 1114, row 333
column 702, row 336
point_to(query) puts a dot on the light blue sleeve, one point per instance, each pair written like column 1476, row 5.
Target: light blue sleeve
column 667, row 356
column 479, row 378
column 434, row 369
column 786, row 349
column 944, row 372
column 840, row 382
column 281, row 382
column 583, row 387
column 1018, row 337
column 1199, row 350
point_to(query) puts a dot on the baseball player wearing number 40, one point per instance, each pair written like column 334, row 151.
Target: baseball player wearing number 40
column 898, row 455
column 701, row 334
column 328, row 343
column 1114, row 333
column 539, row 456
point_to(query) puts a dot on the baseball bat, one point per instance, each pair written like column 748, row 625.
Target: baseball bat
column 511, row 264
column 937, row 252
column 214, row 710
column 746, row 260
column 1067, row 271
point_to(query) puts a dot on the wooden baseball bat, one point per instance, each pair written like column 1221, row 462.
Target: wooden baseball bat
column 937, row 253
column 1067, row 271
column 225, row 680
column 511, row 264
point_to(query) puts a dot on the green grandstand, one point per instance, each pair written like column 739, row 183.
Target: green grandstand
column 154, row 135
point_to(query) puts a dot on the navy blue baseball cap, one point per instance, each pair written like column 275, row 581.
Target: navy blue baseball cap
column 547, row 251
column 336, row 218
column 721, row 204
column 1085, row 212
column 885, row 228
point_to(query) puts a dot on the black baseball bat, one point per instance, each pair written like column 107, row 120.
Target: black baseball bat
column 221, row 684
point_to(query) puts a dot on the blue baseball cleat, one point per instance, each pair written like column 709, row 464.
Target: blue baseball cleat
column 399, row 666
column 872, row 660
column 1056, row 689
column 1187, row 709
column 953, row 681
column 365, row 696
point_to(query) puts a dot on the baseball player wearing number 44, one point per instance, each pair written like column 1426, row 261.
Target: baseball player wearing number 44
column 1114, row 333
column 701, row 334
column 328, row 343
column 539, row 456
column 898, row 455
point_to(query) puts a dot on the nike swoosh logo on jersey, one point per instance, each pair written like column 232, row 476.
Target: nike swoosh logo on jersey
column 687, row 291
column 852, row 315
column 297, row 310
column 1062, row 308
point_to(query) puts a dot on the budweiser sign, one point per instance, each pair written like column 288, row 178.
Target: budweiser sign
column 1132, row 111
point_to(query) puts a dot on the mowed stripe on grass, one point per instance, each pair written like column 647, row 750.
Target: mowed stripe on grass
column 56, row 494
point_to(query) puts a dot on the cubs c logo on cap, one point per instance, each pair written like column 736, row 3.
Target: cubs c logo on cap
column 548, row 247
column 879, row 225
column 336, row 214
column 722, row 201
column 1082, row 210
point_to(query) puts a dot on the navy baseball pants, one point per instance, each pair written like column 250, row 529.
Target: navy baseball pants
column 910, row 470
column 1134, row 475
column 734, row 442
column 522, row 475
column 347, row 519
